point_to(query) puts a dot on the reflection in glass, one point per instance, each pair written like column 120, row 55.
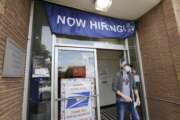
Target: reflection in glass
column 88, row 41
column 135, row 65
column 39, row 107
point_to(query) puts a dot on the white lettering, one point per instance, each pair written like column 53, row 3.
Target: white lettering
column 120, row 28
column 112, row 28
column 124, row 28
column 81, row 22
column 93, row 24
column 71, row 21
column 104, row 25
column 60, row 18
column 99, row 25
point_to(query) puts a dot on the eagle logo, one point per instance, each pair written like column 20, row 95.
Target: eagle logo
column 78, row 100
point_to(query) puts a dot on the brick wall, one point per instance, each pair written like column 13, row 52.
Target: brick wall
column 160, row 46
column 14, row 18
column 176, row 41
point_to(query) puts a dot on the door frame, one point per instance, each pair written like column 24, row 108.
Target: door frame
column 55, row 98
column 56, row 45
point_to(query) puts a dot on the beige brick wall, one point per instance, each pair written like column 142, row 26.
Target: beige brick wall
column 176, row 41
column 160, row 47
column 14, row 20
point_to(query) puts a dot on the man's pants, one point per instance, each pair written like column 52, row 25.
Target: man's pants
column 123, row 107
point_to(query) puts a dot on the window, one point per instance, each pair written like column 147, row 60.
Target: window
column 40, row 78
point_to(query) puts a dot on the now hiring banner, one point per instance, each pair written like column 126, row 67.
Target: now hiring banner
column 69, row 21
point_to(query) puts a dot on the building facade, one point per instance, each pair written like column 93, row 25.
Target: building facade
column 159, row 41
column 14, row 23
column 154, row 51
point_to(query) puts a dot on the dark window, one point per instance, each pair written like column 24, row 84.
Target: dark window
column 40, row 76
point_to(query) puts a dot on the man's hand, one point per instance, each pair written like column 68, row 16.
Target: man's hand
column 137, row 97
column 125, row 97
column 138, row 101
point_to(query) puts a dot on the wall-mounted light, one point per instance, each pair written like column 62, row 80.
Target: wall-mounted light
column 103, row 5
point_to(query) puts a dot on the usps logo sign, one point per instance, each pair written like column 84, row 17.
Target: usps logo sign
column 79, row 104
column 78, row 100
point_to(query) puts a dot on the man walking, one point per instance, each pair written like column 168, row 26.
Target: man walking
column 124, row 87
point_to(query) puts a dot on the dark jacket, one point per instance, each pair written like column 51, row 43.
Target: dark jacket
column 118, row 81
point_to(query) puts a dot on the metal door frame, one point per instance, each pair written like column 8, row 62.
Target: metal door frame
column 55, row 47
column 55, row 98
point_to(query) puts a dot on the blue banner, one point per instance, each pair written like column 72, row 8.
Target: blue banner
column 69, row 21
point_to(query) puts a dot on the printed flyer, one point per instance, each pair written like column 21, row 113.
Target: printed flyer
column 79, row 105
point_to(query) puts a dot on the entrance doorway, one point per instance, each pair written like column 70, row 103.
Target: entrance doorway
column 108, row 66
column 45, row 101
column 83, row 83
column 83, row 73
column 76, row 84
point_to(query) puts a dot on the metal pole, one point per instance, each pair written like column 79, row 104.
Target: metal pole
column 27, row 68
column 142, row 76
column 54, row 113
column 127, row 48
column 97, row 86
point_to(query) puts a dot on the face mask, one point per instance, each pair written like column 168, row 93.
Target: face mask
column 127, row 69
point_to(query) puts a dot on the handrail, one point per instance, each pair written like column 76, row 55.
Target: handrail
column 165, row 100
column 63, row 99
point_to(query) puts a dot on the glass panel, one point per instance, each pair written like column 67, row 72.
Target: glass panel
column 88, row 41
column 108, row 66
column 132, row 41
column 76, row 85
column 135, row 65
column 40, row 73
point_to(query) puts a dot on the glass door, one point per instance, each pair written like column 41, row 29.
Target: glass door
column 76, row 92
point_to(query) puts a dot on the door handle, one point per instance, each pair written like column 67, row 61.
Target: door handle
column 64, row 99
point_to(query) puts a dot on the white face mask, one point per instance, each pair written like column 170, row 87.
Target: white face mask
column 127, row 69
